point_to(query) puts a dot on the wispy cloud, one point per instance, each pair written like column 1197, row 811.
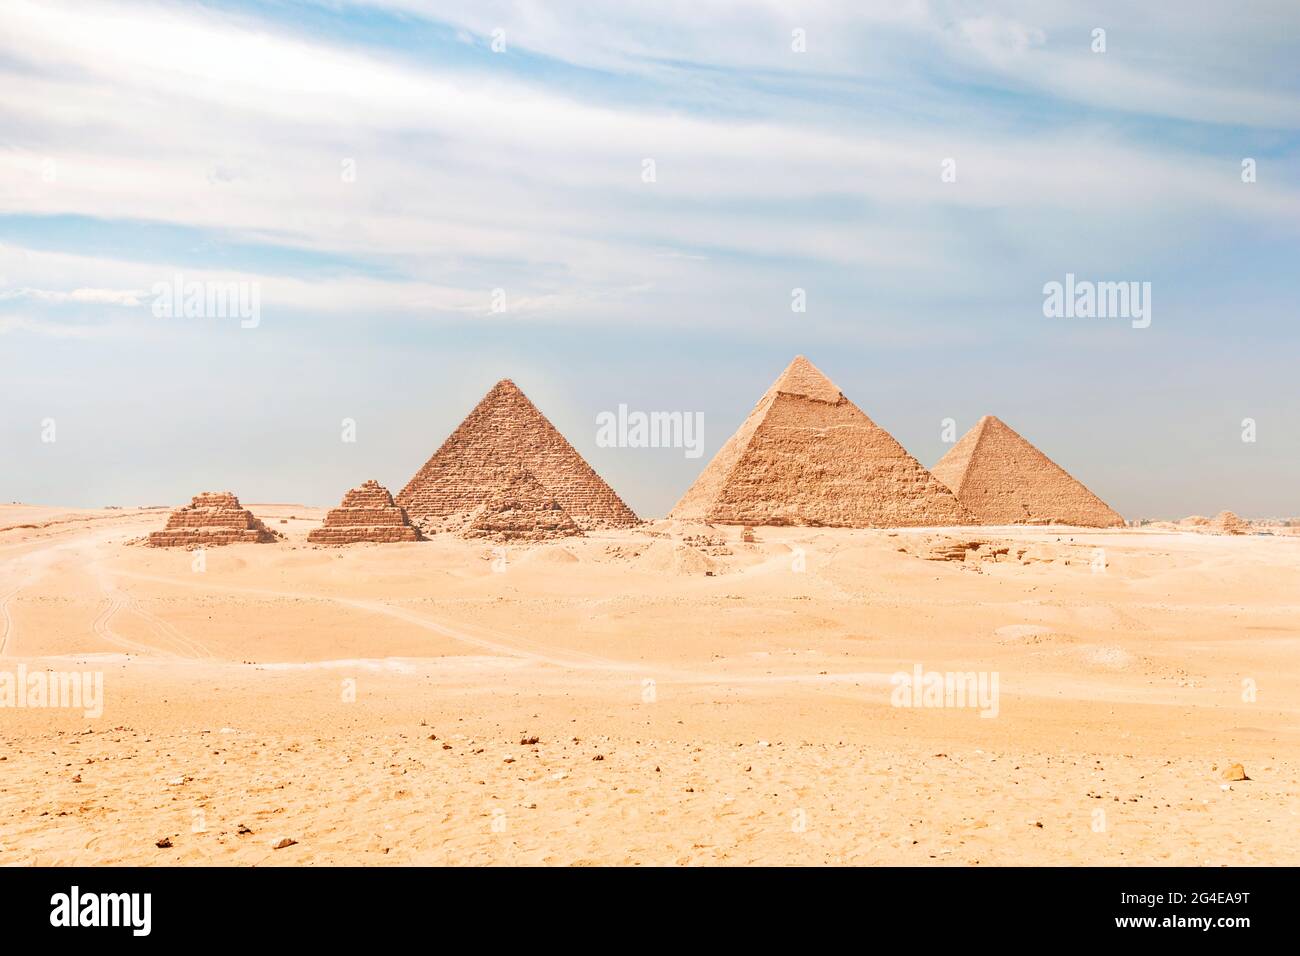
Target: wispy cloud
column 95, row 296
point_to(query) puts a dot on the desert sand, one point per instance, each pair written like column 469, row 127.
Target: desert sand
column 658, row 695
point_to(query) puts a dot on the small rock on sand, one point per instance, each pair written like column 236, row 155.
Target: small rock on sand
column 1235, row 772
column 282, row 843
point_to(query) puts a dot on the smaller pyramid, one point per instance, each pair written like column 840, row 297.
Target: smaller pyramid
column 1002, row 479
column 506, row 432
column 520, row 509
column 1225, row 522
column 366, row 514
column 211, row 519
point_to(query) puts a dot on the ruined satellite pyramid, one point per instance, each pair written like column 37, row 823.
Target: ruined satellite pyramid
column 1225, row 522
column 520, row 509
column 806, row 455
column 211, row 519
column 366, row 514
column 1003, row 479
column 505, row 433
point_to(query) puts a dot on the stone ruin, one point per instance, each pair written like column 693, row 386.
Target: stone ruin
column 475, row 476
column 520, row 509
column 366, row 514
column 1225, row 522
column 212, row 519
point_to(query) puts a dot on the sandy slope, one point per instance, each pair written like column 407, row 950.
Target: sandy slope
column 742, row 716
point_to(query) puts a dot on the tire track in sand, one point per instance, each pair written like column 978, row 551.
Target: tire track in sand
column 511, row 646
column 6, row 619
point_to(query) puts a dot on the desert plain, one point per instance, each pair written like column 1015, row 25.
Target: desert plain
column 661, row 695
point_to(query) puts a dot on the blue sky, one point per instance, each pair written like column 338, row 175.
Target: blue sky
column 141, row 140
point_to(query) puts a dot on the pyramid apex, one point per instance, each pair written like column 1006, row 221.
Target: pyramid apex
column 803, row 378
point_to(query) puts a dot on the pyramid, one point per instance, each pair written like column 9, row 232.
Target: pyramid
column 366, row 514
column 806, row 455
column 506, row 433
column 520, row 509
column 211, row 519
column 1003, row 479
column 1225, row 522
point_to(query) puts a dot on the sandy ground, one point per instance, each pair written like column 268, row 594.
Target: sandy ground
column 608, row 700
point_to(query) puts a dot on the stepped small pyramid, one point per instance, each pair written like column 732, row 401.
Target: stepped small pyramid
column 505, row 433
column 366, row 514
column 520, row 509
column 806, row 455
column 1002, row 479
column 211, row 519
column 1225, row 522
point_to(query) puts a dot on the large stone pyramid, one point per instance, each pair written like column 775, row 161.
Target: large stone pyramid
column 366, row 514
column 504, row 434
column 1003, row 479
column 806, row 455
column 211, row 519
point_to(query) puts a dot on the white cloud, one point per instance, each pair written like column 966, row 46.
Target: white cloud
column 468, row 183
column 123, row 297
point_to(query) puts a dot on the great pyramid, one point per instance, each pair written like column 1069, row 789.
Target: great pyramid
column 521, row 510
column 806, row 455
column 211, row 519
column 1003, row 479
column 366, row 514
column 504, row 434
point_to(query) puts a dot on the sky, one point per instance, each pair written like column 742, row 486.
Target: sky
column 626, row 204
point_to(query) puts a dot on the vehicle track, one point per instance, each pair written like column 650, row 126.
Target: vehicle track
column 511, row 646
